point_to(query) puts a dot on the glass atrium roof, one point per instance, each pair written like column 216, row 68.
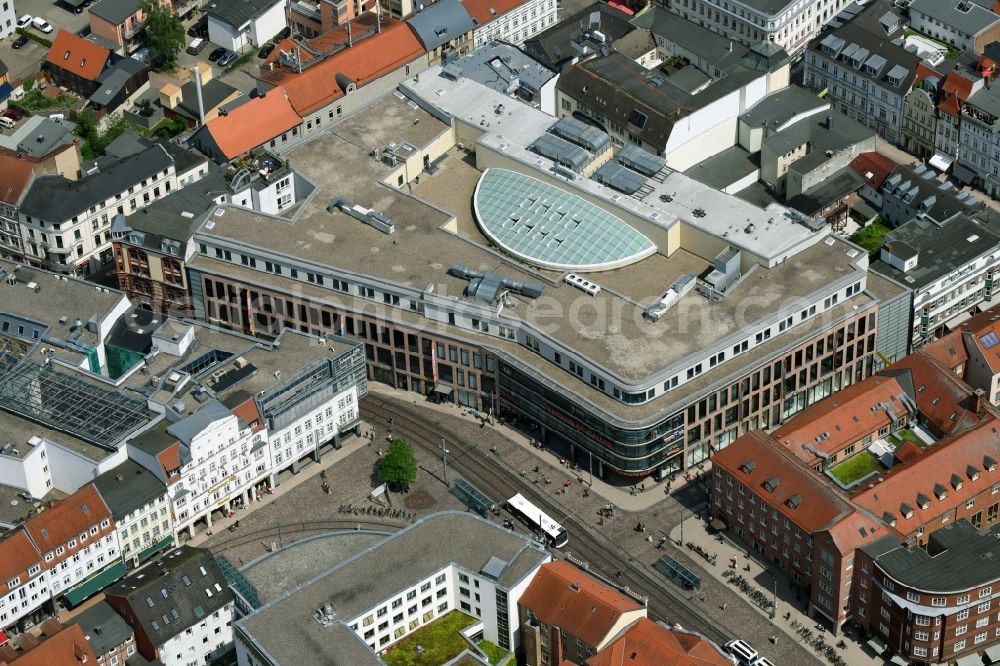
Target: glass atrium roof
column 551, row 228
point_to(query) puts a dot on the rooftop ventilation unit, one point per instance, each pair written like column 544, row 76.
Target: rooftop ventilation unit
column 676, row 292
column 583, row 284
column 725, row 271
column 490, row 287
column 370, row 217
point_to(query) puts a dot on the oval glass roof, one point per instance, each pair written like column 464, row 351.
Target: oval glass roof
column 551, row 228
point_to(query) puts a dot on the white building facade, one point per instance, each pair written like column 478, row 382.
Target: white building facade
column 519, row 24
column 303, row 437
column 197, row 643
column 223, row 30
column 8, row 19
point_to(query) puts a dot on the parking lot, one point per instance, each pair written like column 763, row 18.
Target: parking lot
column 24, row 61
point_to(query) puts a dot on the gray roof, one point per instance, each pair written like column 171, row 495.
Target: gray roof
column 128, row 487
column 834, row 187
column 45, row 136
column 958, row 557
column 154, row 440
column 769, row 7
column 499, row 66
column 188, row 428
column 286, row 629
column 174, row 592
column 55, row 199
column 440, row 23
column 842, row 133
column 114, row 11
column 917, row 184
column 987, row 99
column 237, row 12
column 212, row 95
column 779, row 107
column 973, row 20
column 103, row 628
column 110, row 86
column 174, row 217
column 553, row 47
column 942, row 248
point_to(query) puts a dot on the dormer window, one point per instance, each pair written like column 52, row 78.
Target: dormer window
column 940, row 491
column 972, row 472
column 989, row 463
column 956, row 482
column 906, row 510
column 923, row 501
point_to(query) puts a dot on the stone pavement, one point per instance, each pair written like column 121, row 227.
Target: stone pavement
column 764, row 575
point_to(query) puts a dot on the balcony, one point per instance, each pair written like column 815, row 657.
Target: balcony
column 258, row 169
column 133, row 29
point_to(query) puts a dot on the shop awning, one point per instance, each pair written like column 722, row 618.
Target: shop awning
column 993, row 654
column 148, row 552
column 442, row 389
column 876, row 645
column 970, row 660
column 941, row 162
column 100, row 580
column 964, row 174
column 899, row 661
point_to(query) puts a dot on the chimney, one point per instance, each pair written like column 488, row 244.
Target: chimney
column 977, row 400
column 197, row 89
column 829, row 122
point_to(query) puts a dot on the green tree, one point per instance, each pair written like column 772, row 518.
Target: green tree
column 164, row 33
column 399, row 466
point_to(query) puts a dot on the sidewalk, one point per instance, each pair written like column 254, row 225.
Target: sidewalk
column 654, row 491
column 307, row 471
column 764, row 576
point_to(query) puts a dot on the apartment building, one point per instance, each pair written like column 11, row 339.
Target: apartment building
column 512, row 21
column 919, row 128
column 66, row 225
column 949, row 267
column 565, row 615
column 957, row 86
column 444, row 562
column 8, row 17
column 140, row 508
column 15, row 179
column 862, row 72
column 179, row 608
column 910, row 192
column 53, row 644
column 24, row 585
column 979, row 140
column 111, row 639
column 790, row 25
column 967, row 25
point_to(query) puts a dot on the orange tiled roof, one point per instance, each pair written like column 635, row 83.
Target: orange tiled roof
column 15, row 175
column 361, row 25
column 942, row 398
column 563, row 596
column 77, row 55
column 65, row 647
column 362, row 63
column 942, row 478
column 843, row 418
column 17, row 555
column 249, row 413
column 646, row 643
column 948, row 350
column 800, row 495
column 876, row 164
column 977, row 328
column 480, row 9
column 253, row 123
column 67, row 519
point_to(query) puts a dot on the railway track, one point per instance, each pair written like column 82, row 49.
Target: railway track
column 498, row 481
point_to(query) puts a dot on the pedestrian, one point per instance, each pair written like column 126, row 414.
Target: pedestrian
column 724, row 605
column 618, row 573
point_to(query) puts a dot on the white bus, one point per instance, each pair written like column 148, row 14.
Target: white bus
column 537, row 520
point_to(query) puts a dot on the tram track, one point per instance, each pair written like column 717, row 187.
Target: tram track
column 499, row 482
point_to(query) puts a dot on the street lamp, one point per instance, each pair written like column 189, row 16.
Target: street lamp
column 444, row 455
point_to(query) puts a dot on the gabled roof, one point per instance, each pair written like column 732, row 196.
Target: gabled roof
column 252, row 124
column 360, row 64
column 646, row 643
column 66, row 646
column 77, row 55
column 15, row 175
column 440, row 23
column 873, row 167
column 843, row 418
column 128, row 487
column 484, row 11
column 561, row 595
column 115, row 12
column 553, row 46
column 237, row 12
column 17, row 554
column 175, row 592
column 67, row 519
column 948, row 350
column 103, row 628
column 191, row 426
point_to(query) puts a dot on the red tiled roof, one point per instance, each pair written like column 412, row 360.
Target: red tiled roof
column 843, row 418
column 943, row 399
column 249, row 413
column 876, row 164
column 64, row 648
column 253, row 123
column 855, row 530
column 951, row 461
column 480, row 9
column 67, row 519
column 563, row 596
column 17, row 555
column 77, row 55
column 646, row 643
column 973, row 330
column 362, row 63
column 816, row 505
column 948, row 350
column 15, row 175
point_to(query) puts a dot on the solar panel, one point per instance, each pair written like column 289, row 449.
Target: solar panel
column 989, row 340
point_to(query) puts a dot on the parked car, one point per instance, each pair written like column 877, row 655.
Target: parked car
column 13, row 114
column 227, row 59
column 216, row 54
column 196, row 46
column 199, row 28
column 19, row 42
column 742, row 651
column 285, row 32
column 6, row 122
column 24, row 21
column 266, row 51
column 40, row 24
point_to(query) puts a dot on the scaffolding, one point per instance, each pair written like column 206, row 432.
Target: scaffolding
column 59, row 401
